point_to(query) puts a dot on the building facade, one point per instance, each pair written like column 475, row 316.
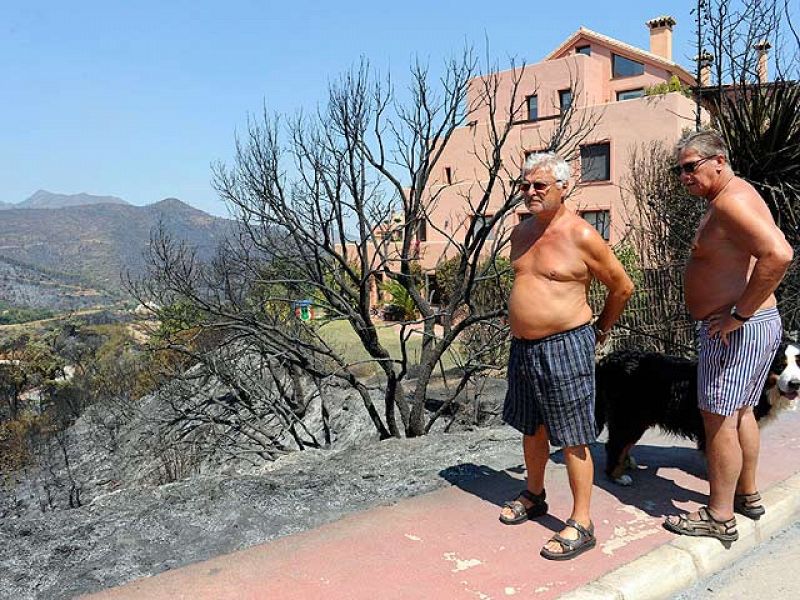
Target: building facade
column 603, row 81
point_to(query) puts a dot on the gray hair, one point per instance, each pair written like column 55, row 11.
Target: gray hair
column 706, row 143
column 558, row 167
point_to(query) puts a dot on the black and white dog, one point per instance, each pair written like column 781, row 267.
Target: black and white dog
column 638, row 390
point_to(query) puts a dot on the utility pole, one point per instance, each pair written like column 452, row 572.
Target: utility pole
column 699, row 12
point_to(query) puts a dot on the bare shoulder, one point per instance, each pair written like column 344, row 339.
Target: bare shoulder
column 741, row 201
column 583, row 233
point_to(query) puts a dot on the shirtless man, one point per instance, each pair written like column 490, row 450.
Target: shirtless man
column 738, row 258
column 550, row 395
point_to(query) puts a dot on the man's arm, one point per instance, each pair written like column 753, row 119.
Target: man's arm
column 742, row 218
column 760, row 237
column 609, row 271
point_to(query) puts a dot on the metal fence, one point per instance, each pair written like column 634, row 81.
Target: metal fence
column 655, row 318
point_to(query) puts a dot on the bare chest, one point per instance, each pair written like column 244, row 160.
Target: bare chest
column 709, row 238
column 550, row 258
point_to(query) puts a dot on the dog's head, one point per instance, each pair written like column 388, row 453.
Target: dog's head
column 783, row 381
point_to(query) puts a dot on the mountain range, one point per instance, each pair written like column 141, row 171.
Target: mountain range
column 45, row 199
column 89, row 241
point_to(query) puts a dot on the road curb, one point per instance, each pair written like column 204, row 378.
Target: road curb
column 681, row 563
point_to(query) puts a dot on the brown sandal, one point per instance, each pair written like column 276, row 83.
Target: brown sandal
column 705, row 526
column 521, row 512
column 571, row 548
column 749, row 505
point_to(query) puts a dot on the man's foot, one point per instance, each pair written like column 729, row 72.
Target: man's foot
column 703, row 524
column 571, row 541
column 527, row 506
column 749, row 505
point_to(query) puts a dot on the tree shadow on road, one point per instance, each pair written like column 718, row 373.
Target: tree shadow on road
column 494, row 486
column 651, row 492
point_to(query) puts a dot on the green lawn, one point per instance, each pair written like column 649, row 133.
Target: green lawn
column 340, row 335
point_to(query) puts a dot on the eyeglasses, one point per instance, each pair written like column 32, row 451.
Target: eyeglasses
column 689, row 167
column 538, row 186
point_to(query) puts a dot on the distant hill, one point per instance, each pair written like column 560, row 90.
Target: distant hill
column 45, row 199
column 94, row 243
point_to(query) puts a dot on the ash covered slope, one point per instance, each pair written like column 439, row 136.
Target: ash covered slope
column 129, row 526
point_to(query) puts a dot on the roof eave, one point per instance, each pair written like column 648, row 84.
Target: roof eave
column 603, row 39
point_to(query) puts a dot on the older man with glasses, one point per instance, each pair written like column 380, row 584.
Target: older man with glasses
column 738, row 258
column 550, row 399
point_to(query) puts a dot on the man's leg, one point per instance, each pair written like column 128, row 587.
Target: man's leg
column 580, row 470
column 724, row 457
column 536, row 449
column 750, row 442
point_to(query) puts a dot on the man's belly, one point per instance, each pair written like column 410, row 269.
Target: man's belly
column 538, row 308
column 710, row 287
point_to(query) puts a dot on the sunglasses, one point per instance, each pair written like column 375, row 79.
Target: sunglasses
column 689, row 167
column 539, row 186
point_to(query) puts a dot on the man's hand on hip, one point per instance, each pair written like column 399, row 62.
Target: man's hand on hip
column 721, row 325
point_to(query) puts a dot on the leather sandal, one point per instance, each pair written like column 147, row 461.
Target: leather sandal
column 571, row 548
column 521, row 512
column 704, row 526
column 749, row 505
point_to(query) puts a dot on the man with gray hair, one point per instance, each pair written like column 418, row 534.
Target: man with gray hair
column 550, row 399
column 739, row 257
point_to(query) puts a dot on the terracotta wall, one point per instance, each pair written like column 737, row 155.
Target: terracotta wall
column 459, row 180
column 624, row 125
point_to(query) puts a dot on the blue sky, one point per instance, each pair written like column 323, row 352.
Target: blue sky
column 137, row 99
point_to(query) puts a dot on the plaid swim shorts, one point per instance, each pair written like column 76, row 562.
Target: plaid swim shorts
column 551, row 383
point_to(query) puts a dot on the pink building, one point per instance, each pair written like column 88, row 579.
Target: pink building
column 606, row 80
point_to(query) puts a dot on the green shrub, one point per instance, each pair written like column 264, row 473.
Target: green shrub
column 673, row 85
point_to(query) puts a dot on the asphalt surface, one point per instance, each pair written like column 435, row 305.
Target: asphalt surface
column 768, row 570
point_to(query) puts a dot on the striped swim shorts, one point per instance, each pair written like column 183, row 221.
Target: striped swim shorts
column 732, row 377
column 551, row 383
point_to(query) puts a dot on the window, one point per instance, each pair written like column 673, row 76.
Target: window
column 433, row 289
column 600, row 220
column 422, row 229
column 533, row 108
column 448, row 175
column 564, row 99
column 625, row 67
column 587, row 50
column 630, row 94
column 596, row 162
column 479, row 222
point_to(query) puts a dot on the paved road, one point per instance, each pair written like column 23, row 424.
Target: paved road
column 771, row 570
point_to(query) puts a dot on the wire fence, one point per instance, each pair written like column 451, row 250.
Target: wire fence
column 655, row 318
column 788, row 294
